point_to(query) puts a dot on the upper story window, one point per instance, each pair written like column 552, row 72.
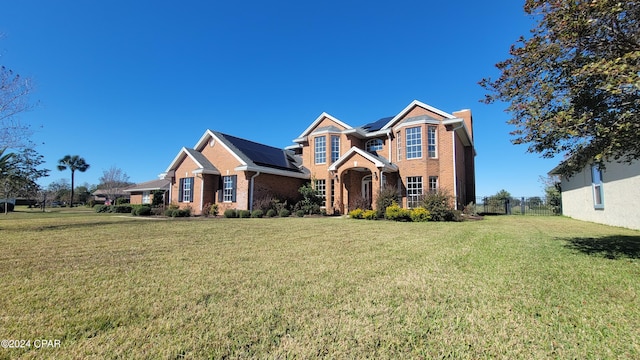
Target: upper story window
column 185, row 192
column 414, row 143
column 399, row 146
column 596, row 184
column 433, row 184
column 321, row 188
column 335, row 147
column 431, row 139
column 320, row 149
column 373, row 145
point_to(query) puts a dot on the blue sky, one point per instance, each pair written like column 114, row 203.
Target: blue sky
column 128, row 83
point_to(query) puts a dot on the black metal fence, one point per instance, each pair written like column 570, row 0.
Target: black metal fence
column 534, row 205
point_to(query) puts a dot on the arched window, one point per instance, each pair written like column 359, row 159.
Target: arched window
column 373, row 145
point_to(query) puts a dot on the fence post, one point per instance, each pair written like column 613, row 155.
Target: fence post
column 522, row 207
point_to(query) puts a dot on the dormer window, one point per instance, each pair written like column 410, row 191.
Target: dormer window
column 373, row 145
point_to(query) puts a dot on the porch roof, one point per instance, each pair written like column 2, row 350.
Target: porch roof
column 380, row 162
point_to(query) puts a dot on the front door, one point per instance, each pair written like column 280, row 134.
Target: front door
column 367, row 191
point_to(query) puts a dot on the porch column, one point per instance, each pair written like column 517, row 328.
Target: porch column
column 376, row 181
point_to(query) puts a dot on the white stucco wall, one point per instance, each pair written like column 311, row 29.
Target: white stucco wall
column 621, row 187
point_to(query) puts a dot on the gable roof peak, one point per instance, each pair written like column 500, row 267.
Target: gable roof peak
column 318, row 120
column 413, row 104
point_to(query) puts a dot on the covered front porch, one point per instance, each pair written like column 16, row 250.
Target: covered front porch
column 358, row 178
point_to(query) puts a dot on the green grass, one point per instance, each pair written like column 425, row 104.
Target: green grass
column 505, row 287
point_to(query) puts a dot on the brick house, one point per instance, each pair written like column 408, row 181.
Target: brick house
column 419, row 149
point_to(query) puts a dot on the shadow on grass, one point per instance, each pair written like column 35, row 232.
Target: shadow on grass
column 610, row 247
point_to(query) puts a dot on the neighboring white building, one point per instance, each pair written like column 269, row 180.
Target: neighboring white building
column 610, row 196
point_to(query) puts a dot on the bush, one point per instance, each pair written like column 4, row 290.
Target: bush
column 9, row 206
column 284, row 213
column 121, row 209
column 122, row 201
column 370, row 215
column 420, row 214
column 102, row 208
column 356, row 213
column 396, row 213
column 210, row 209
column 244, row 214
column 271, row 213
column 300, row 213
column 386, row 197
column 230, row 213
column 257, row 213
column 169, row 212
column 470, row 209
column 439, row 206
column 178, row 212
column 143, row 210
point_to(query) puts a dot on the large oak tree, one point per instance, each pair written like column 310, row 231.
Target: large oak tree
column 573, row 86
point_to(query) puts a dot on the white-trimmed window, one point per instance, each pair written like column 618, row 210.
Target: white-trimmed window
column 335, row 147
column 373, row 145
column 431, row 141
column 596, row 185
column 414, row 191
column 185, row 193
column 399, row 146
column 433, row 184
column 320, row 149
column 229, row 188
column 414, row 142
column 321, row 188
column 146, row 197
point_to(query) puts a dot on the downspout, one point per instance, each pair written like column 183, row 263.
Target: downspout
column 251, row 190
column 389, row 144
column 455, row 163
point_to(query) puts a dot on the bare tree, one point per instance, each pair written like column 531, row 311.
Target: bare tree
column 14, row 99
column 113, row 181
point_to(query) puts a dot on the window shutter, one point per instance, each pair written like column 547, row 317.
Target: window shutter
column 234, row 182
column 191, row 186
column 220, row 189
column 180, row 190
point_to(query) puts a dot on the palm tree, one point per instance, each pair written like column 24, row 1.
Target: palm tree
column 73, row 163
column 4, row 161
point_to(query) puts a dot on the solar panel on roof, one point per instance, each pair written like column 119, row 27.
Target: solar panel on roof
column 262, row 154
column 377, row 125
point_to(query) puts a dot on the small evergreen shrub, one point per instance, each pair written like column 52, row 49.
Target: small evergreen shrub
column 102, row 208
column 386, row 197
column 300, row 213
column 284, row 213
column 396, row 213
column 470, row 209
column 356, row 213
column 257, row 213
column 370, row 215
column 420, row 214
column 439, row 206
column 271, row 213
column 121, row 209
column 230, row 213
column 141, row 210
column 244, row 214
column 122, row 201
column 169, row 212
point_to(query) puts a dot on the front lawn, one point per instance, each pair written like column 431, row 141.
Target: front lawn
column 505, row 287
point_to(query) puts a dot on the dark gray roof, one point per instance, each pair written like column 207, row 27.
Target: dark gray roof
column 202, row 160
column 376, row 125
column 260, row 154
column 160, row 184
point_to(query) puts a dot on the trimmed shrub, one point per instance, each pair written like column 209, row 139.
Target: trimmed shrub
column 230, row 213
column 420, row 214
column 257, row 213
column 300, row 213
column 144, row 211
column 284, row 213
column 271, row 213
column 121, row 209
column 244, row 214
column 370, row 215
column 356, row 213
column 9, row 206
column 169, row 212
column 210, row 209
column 122, row 201
column 439, row 206
column 396, row 213
column 102, row 208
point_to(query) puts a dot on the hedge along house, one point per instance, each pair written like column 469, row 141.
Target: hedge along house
column 233, row 173
column 419, row 149
column 143, row 193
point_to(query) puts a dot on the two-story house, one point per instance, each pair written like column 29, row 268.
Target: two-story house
column 418, row 150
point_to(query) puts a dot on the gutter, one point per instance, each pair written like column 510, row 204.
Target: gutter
column 251, row 186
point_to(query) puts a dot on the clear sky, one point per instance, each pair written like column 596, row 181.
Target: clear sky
column 129, row 83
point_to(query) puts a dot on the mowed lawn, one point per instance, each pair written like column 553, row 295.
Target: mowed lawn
column 505, row 287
